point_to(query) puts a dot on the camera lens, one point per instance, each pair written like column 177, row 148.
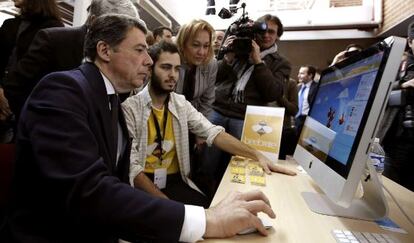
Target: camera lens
column 260, row 26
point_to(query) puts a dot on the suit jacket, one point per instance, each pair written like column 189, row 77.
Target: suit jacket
column 289, row 100
column 67, row 186
column 52, row 49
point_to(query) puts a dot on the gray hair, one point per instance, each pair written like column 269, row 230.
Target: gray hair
column 111, row 29
column 101, row 7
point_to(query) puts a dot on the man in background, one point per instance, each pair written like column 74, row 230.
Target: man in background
column 162, row 33
column 218, row 39
column 307, row 91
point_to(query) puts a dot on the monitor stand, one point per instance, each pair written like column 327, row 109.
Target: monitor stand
column 371, row 206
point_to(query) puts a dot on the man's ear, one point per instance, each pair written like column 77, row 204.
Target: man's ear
column 103, row 51
column 158, row 38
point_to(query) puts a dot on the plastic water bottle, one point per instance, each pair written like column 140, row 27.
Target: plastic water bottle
column 377, row 155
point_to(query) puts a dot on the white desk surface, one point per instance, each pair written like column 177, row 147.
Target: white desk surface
column 295, row 222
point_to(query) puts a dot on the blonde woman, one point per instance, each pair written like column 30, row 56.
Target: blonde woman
column 197, row 78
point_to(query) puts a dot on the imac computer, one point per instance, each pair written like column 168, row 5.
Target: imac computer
column 334, row 144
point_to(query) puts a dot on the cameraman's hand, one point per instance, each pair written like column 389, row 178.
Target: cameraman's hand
column 339, row 57
column 255, row 53
column 229, row 56
column 408, row 84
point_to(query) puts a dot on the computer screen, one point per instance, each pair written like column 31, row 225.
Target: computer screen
column 341, row 107
column 344, row 116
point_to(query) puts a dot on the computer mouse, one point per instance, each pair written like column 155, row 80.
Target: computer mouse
column 267, row 223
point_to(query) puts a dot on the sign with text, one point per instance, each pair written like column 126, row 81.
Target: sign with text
column 262, row 129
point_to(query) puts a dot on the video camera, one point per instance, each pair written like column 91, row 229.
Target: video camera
column 401, row 97
column 404, row 97
column 245, row 31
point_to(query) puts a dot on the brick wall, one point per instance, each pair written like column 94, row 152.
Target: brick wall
column 345, row 3
column 395, row 11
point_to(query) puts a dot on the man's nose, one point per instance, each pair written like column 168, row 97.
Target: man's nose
column 203, row 50
column 174, row 73
column 148, row 61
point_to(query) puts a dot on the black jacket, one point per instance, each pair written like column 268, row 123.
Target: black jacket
column 52, row 49
column 265, row 85
column 10, row 39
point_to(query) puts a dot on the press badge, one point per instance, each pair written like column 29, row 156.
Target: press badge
column 160, row 177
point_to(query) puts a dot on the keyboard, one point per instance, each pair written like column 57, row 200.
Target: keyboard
column 346, row 236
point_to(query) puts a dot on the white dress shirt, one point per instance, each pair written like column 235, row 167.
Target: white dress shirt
column 305, row 104
column 194, row 225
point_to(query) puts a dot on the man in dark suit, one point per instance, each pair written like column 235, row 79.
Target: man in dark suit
column 307, row 90
column 72, row 166
column 56, row 49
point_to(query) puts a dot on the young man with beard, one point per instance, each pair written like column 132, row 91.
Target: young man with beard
column 159, row 120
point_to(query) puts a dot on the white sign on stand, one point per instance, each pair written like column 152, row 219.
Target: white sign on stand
column 262, row 129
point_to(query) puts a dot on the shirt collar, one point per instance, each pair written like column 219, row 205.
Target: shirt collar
column 147, row 97
column 108, row 85
column 308, row 84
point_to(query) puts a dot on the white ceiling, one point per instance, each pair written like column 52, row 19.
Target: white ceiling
column 304, row 19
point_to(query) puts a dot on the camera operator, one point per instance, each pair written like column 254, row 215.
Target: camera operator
column 398, row 124
column 253, row 79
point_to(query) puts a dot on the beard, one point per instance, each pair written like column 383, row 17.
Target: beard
column 156, row 86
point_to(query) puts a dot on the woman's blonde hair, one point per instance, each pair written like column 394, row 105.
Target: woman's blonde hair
column 188, row 32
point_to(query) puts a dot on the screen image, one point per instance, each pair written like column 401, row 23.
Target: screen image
column 337, row 112
column 317, row 139
column 344, row 117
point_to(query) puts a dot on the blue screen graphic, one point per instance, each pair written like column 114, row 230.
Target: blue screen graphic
column 341, row 102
